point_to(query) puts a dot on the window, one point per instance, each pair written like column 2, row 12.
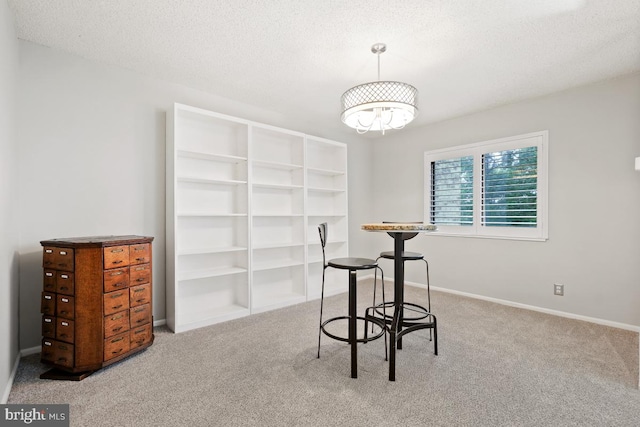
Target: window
column 493, row 189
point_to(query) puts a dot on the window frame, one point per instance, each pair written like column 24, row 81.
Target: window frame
column 539, row 139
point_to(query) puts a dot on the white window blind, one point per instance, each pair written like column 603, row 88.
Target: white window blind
column 493, row 188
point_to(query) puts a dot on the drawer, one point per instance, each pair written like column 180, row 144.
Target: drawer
column 65, row 283
column 140, row 336
column 140, row 254
column 57, row 352
column 140, row 315
column 116, row 346
column 140, row 274
column 49, row 280
column 65, row 306
column 116, row 301
column 116, row 256
column 48, row 326
column 139, row 295
column 48, row 303
column 116, row 279
column 58, row 258
column 65, row 330
column 116, row 323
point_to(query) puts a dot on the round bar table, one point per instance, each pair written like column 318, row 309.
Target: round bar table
column 397, row 229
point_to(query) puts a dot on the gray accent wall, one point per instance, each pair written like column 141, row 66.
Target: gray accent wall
column 9, row 235
column 594, row 204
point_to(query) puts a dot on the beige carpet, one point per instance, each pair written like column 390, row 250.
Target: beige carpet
column 497, row 366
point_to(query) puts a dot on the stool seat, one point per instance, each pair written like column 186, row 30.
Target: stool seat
column 352, row 263
column 406, row 256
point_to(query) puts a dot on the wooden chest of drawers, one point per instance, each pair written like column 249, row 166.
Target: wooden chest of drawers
column 96, row 302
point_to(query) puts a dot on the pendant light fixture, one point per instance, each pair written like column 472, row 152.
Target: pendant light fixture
column 380, row 105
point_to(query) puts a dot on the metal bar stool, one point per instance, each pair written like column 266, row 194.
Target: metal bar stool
column 352, row 265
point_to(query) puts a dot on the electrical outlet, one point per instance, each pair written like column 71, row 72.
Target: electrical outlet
column 558, row 289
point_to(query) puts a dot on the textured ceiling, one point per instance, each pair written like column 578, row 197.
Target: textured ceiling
column 296, row 57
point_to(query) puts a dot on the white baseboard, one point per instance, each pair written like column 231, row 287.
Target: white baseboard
column 524, row 306
column 30, row 351
column 7, row 390
column 160, row 322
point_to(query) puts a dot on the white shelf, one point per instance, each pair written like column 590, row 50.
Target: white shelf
column 208, row 156
column 276, row 186
column 275, row 264
column 277, row 165
column 200, row 251
column 209, row 214
column 211, row 272
column 193, row 319
column 326, row 190
column 278, row 245
column 210, row 181
column 242, row 202
column 329, row 172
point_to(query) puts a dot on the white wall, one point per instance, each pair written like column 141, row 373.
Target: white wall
column 594, row 204
column 92, row 159
column 9, row 236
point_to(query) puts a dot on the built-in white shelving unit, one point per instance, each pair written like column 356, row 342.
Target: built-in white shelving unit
column 243, row 203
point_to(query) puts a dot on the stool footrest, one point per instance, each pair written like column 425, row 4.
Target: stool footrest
column 367, row 319
column 417, row 312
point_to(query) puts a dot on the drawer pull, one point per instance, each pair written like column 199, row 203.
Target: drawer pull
column 141, row 300
column 141, row 279
column 141, row 331
column 117, row 273
column 140, row 259
column 141, row 320
column 64, row 323
column 140, row 310
column 116, row 306
column 139, row 248
column 116, row 340
column 64, row 299
column 48, row 297
column 64, row 312
column 139, row 290
column 63, row 347
column 113, row 251
column 63, row 335
column 48, row 274
column 140, row 341
column 116, row 295
column 118, row 284
column 64, row 288
column 120, row 316
column 48, row 320
column 116, row 329
column 117, row 351
column 48, row 251
column 140, row 268
column 47, row 343
column 62, row 359
column 117, row 262
column 63, row 252
column 64, row 276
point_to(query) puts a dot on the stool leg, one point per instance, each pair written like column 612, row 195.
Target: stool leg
column 428, row 295
column 384, row 314
column 353, row 338
column 375, row 282
column 321, row 305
